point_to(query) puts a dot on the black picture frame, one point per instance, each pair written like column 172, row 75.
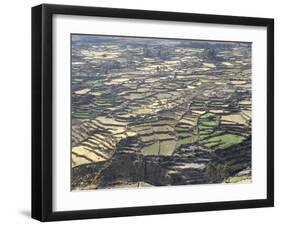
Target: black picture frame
column 42, row 196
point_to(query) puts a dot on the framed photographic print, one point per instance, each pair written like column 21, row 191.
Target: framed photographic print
column 146, row 112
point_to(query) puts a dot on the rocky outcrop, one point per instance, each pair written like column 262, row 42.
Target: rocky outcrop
column 186, row 166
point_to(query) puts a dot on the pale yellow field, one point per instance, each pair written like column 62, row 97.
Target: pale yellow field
column 116, row 81
column 227, row 63
column 216, row 111
column 209, row 65
column 235, row 118
column 83, row 152
column 82, row 91
column 238, row 82
column 191, row 87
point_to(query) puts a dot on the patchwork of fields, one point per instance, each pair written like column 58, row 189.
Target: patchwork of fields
column 152, row 112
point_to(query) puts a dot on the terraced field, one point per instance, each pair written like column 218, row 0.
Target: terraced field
column 155, row 112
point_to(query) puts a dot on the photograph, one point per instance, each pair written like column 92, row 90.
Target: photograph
column 159, row 112
column 140, row 112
